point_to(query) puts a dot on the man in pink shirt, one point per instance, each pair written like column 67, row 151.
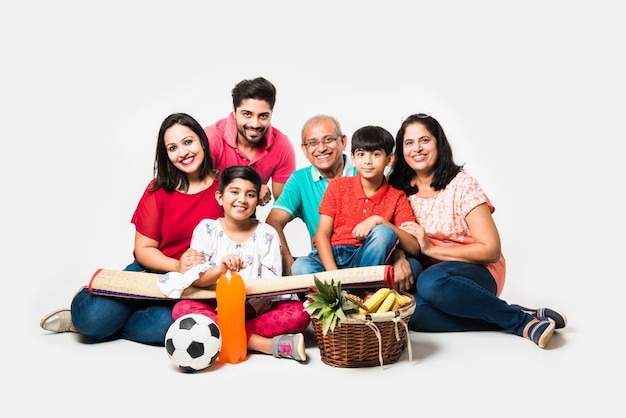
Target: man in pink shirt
column 246, row 137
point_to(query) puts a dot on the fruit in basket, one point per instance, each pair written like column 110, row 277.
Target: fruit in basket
column 385, row 300
column 401, row 299
column 373, row 302
column 329, row 304
column 387, row 303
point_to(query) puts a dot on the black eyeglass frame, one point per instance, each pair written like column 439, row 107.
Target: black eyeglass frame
column 314, row 143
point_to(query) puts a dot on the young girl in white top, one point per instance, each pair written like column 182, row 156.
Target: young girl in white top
column 242, row 243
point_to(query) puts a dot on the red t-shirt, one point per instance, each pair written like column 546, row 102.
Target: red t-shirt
column 170, row 218
column 346, row 202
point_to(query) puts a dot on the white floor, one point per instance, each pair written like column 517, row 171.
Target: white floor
column 494, row 373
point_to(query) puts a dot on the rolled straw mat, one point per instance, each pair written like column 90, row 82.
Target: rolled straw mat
column 130, row 284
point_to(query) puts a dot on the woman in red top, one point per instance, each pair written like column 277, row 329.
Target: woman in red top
column 180, row 195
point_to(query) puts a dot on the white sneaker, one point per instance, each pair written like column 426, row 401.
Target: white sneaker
column 58, row 321
column 289, row 346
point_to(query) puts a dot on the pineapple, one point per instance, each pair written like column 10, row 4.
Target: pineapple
column 330, row 304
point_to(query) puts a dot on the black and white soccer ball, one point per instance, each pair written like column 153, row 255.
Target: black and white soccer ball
column 193, row 342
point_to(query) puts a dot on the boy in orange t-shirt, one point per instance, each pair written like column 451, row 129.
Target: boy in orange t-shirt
column 360, row 215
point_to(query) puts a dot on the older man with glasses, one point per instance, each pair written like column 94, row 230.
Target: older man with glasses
column 323, row 144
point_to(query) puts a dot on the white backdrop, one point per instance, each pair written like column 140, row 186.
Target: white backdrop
column 531, row 96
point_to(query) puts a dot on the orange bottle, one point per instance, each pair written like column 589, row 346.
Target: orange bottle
column 230, row 293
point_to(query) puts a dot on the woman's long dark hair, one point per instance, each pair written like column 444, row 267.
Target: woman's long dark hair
column 446, row 169
column 166, row 175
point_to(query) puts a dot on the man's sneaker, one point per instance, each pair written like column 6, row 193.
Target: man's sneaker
column 58, row 321
column 541, row 331
column 544, row 313
column 289, row 346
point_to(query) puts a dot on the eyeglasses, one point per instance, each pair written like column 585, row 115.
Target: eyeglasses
column 422, row 115
column 314, row 143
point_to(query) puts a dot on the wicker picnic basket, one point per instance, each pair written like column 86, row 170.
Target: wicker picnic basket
column 366, row 340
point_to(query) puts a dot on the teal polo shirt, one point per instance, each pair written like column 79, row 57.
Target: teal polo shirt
column 302, row 194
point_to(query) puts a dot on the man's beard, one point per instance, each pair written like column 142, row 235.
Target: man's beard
column 252, row 140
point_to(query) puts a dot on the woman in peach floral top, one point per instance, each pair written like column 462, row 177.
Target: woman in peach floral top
column 463, row 266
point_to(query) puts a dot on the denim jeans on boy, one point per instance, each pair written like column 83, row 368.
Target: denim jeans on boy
column 458, row 296
column 375, row 251
column 102, row 318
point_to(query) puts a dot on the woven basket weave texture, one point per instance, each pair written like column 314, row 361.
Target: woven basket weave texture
column 365, row 340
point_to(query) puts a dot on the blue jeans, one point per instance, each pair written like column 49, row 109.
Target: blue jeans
column 375, row 251
column 458, row 296
column 103, row 318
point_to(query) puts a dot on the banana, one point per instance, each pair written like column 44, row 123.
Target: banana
column 400, row 298
column 387, row 303
column 396, row 302
column 375, row 300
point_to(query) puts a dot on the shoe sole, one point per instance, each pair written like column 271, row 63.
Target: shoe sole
column 301, row 350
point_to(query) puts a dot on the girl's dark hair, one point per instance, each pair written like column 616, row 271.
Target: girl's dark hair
column 258, row 88
column 166, row 175
column 446, row 169
column 372, row 138
column 240, row 172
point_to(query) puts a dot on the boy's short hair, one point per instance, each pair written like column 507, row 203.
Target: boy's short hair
column 372, row 138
